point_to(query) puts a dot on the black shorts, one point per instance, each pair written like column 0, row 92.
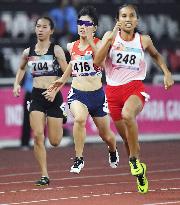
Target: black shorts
column 40, row 103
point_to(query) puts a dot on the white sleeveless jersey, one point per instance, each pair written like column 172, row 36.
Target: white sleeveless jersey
column 125, row 61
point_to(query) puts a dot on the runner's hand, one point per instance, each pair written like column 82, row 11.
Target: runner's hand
column 50, row 95
column 113, row 34
column 168, row 81
column 51, row 92
column 17, row 90
column 55, row 85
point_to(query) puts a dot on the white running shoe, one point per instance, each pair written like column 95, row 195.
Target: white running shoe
column 78, row 165
column 113, row 159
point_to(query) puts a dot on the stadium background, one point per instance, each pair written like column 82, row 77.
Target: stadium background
column 160, row 19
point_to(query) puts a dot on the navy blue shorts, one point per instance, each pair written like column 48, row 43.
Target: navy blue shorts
column 95, row 101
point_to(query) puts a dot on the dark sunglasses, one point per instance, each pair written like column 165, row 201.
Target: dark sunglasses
column 86, row 23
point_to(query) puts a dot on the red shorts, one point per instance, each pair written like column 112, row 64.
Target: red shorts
column 117, row 96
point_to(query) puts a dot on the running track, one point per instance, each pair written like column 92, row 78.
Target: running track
column 97, row 184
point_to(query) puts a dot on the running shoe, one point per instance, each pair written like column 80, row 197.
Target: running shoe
column 78, row 165
column 135, row 165
column 142, row 182
column 113, row 159
column 44, row 181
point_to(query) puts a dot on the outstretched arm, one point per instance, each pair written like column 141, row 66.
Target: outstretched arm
column 156, row 56
column 54, row 88
column 20, row 73
column 107, row 41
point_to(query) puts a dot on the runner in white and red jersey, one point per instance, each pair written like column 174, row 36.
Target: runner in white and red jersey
column 122, row 51
column 86, row 96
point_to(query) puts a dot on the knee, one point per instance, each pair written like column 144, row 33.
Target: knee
column 38, row 137
column 55, row 138
column 39, row 141
column 80, row 121
column 128, row 117
column 55, row 142
column 38, row 133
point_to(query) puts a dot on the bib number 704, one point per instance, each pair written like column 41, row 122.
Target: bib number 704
column 40, row 66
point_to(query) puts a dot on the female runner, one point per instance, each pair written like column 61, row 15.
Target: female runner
column 46, row 62
column 86, row 95
column 122, row 51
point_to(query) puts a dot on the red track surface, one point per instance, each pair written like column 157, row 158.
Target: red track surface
column 97, row 183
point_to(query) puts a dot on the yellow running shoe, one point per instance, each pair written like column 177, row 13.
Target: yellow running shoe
column 142, row 182
column 135, row 165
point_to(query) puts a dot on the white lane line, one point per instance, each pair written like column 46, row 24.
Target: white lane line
column 175, row 188
column 167, row 202
column 70, row 178
column 89, row 185
column 86, row 196
column 67, row 170
column 58, row 171
column 68, row 198
column 50, row 171
column 94, row 176
column 89, row 196
column 62, row 187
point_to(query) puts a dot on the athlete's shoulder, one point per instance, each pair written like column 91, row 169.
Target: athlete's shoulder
column 146, row 38
column 58, row 51
column 70, row 46
column 57, row 47
column 146, row 41
column 26, row 51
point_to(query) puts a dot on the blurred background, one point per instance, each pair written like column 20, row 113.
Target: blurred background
column 160, row 119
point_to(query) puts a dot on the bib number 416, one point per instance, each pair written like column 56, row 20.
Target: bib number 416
column 81, row 67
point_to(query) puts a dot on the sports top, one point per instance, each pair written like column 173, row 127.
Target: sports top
column 125, row 61
column 43, row 65
column 82, row 61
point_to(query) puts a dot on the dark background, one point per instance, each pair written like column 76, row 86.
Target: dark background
column 160, row 19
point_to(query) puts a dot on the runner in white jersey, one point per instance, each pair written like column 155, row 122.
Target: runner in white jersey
column 86, row 96
column 126, row 58
column 122, row 51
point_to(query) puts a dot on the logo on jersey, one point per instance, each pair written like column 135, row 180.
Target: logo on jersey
column 121, row 47
column 88, row 53
column 85, row 57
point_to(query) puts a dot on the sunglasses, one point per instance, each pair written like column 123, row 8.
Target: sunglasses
column 86, row 23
